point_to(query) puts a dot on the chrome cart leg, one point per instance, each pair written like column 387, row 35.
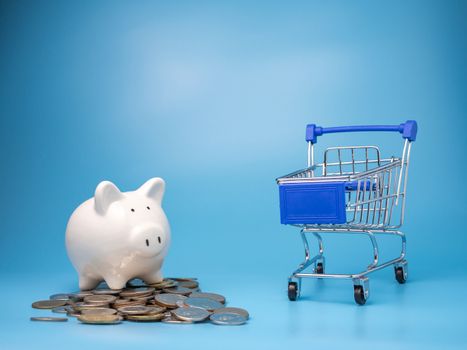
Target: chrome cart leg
column 320, row 263
column 361, row 288
column 375, row 249
column 294, row 282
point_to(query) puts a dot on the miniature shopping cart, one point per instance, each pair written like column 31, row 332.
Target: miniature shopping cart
column 354, row 190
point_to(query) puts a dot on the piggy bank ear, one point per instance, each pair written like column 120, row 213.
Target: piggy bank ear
column 106, row 193
column 153, row 188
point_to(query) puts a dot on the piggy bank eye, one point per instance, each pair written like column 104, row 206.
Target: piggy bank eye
column 148, row 208
column 132, row 210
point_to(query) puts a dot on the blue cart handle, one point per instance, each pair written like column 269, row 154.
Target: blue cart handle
column 407, row 129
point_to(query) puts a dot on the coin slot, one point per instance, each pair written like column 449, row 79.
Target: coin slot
column 159, row 239
column 148, row 208
column 132, row 210
column 147, row 242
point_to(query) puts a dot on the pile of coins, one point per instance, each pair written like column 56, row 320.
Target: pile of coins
column 173, row 300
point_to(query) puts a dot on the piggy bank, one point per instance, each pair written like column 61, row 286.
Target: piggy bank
column 116, row 236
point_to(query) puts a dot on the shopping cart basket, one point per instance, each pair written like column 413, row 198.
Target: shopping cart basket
column 354, row 190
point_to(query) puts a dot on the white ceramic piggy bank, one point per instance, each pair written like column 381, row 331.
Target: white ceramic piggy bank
column 117, row 236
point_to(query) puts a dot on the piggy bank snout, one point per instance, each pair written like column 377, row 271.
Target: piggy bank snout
column 148, row 240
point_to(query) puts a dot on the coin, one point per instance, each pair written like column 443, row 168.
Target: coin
column 168, row 299
column 144, row 298
column 172, row 319
column 125, row 302
column 100, row 299
column 178, row 290
column 204, row 303
column 214, row 296
column 135, row 310
column 227, row 318
column 61, row 296
column 188, row 284
column 133, row 292
column 99, row 311
column 100, row 319
column 73, row 313
column 81, row 305
column 234, row 310
column 48, row 304
column 146, row 318
column 192, row 314
column 81, row 294
column 156, row 309
column 106, row 291
column 166, row 283
column 62, row 309
column 183, row 278
column 49, row 319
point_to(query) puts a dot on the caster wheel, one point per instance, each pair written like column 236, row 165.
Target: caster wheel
column 293, row 291
column 319, row 268
column 401, row 277
column 359, row 295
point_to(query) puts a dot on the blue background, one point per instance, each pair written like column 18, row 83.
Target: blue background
column 214, row 97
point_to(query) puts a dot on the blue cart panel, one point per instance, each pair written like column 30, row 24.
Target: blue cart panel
column 312, row 203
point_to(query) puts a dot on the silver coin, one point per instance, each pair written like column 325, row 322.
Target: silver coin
column 214, row 296
column 79, row 306
column 168, row 300
column 106, row 291
column 234, row 310
column 135, row 310
column 99, row 311
column 188, row 284
column 62, row 309
column 49, row 319
column 154, row 309
column 204, row 303
column 73, row 313
column 178, row 290
column 227, row 318
column 192, row 314
column 61, row 296
column 99, row 299
column 172, row 319
column 81, row 294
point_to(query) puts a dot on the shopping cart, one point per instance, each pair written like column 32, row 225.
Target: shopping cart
column 354, row 190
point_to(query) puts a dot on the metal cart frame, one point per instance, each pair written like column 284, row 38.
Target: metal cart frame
column 356, row 192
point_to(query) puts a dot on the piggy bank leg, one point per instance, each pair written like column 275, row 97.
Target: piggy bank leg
column 86, row 282
column 153, row 277
column 115, row 282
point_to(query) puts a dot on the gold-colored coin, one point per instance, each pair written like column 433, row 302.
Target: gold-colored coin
column 135, row 292
column 48, row 304
column 99, row 311
column 145, row 318
column 49, row 319
column 100, row 319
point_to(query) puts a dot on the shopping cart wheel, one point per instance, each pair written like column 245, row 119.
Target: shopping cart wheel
column 401, row 276
column 320, row 268
column 359, row 295
column 293, row 291
column 401, row 271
